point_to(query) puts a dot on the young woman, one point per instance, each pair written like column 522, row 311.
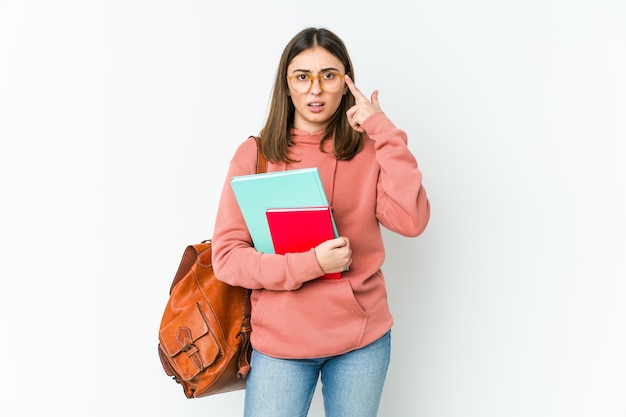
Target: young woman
column 304, row 326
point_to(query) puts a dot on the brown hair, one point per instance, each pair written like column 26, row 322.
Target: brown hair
column 275, row 135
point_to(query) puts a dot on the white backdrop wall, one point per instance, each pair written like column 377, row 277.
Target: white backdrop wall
column 117, row 123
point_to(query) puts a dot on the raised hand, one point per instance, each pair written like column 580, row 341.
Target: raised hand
column 363, row 107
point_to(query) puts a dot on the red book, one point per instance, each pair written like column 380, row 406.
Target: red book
column 301, row 228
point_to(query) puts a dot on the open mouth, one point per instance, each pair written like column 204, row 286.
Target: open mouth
column 316, row 106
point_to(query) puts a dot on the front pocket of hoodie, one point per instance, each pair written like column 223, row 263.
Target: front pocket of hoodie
column 321, row 318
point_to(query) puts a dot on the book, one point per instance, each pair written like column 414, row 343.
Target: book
column 255, row 193
column 299, row 229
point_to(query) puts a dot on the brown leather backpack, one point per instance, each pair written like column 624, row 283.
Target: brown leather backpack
column 204, row 337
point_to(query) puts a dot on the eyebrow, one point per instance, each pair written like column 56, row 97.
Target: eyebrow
column 323, row 70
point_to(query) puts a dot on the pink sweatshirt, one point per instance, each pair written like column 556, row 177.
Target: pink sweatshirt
column 294, row 314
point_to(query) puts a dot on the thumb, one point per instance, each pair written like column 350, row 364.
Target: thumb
column 340, row 242
column 375, row 98
column 337, row 243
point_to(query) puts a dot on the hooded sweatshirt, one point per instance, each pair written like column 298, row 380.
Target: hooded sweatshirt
column 295, row 314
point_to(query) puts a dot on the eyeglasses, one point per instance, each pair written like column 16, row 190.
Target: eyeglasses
column 302, row 82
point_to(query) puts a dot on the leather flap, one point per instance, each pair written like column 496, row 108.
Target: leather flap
column 187, row 327
column 189, row 343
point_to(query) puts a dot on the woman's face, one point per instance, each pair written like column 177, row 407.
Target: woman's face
column 315, row 107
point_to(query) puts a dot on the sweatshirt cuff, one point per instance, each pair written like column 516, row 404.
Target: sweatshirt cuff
column 303, row 266
column 377, row 123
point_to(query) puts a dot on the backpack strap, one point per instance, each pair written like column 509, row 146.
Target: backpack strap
column 261, row 162
column 246, row 328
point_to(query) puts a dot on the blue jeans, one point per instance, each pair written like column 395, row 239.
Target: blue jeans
column 352, row 383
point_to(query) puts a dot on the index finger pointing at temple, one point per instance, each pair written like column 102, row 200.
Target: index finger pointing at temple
column 354, row 90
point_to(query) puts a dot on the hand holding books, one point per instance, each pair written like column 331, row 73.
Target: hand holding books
column 334, row 255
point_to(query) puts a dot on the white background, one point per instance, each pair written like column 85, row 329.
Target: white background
column 117, row 123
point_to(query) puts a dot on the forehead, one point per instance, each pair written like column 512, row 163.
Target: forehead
column 315, row 59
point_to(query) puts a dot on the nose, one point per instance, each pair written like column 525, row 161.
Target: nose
column 316, row 86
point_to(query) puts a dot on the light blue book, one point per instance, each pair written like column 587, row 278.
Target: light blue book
column 256, row 193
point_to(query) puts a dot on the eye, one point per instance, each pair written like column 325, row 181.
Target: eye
column 329, row 75
column 302, row 77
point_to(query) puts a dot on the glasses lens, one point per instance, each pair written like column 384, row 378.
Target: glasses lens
column 331, row 81
column 301, row 83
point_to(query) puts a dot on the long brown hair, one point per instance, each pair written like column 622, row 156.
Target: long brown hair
column 275, row 135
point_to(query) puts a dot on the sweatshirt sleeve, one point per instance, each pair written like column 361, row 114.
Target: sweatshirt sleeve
column 235, row 261
column 402, row 203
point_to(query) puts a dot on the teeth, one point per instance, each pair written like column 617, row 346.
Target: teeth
column 315, row 104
